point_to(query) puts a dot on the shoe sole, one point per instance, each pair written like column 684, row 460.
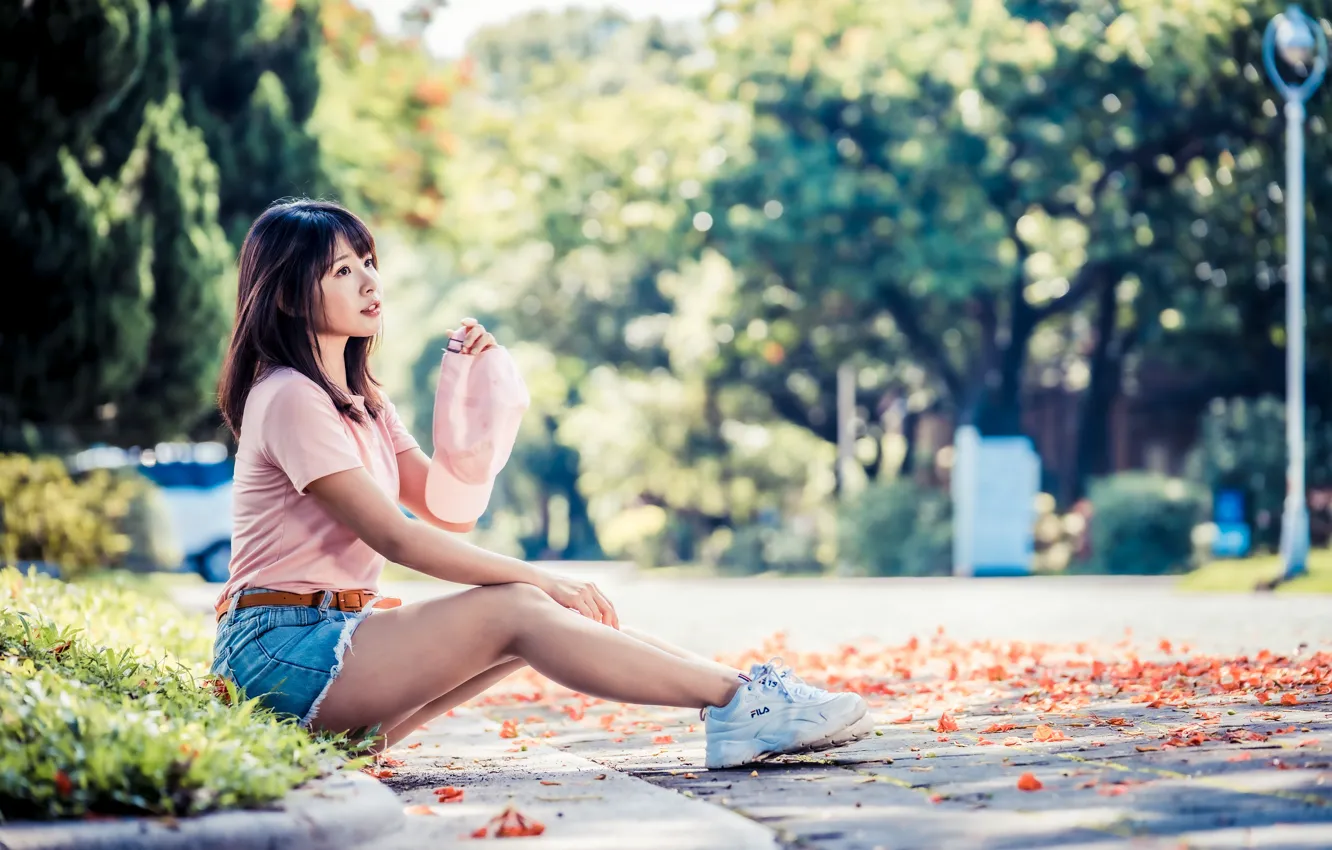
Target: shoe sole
column 857, row 729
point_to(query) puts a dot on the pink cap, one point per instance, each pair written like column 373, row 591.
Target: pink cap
column 479, row 404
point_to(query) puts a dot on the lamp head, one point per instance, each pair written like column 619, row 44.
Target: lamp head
column 1295, row 39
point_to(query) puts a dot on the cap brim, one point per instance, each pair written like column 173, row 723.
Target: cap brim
column 451, row 500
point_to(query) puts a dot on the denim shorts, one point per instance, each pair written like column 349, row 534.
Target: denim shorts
column 287, row 655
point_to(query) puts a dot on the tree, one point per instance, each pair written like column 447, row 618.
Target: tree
column 250, row 80
column 964, row 180
column 111, row 198
column 1230, row 297
column 561, row 196
column 384, row 129
column 76, row 249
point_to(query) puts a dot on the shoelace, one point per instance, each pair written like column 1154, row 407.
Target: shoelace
column 775, row 674
column 796, row 686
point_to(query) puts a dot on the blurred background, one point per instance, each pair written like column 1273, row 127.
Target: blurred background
column 758, row 260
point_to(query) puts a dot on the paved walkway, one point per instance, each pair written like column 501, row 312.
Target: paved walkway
column 731, row 615
column 1208, row 725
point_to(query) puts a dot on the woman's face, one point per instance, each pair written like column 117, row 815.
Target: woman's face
column 352, row 295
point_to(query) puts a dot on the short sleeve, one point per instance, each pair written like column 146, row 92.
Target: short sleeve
column 402, row 438
column 302, row 433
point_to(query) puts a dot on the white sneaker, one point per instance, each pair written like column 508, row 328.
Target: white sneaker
column 776, row 713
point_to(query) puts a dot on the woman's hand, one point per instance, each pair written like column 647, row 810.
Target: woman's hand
column 583, row 597
column 477, row 340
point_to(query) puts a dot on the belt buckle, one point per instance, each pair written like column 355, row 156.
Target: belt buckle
column 344, row 603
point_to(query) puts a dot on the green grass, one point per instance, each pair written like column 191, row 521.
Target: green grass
column 1244, row 574
column 106, row 707
column 157, row 585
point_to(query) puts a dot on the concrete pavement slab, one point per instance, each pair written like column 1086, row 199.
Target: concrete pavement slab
column 583, row 805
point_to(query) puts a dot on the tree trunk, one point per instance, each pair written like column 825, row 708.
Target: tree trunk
column 910, row 422
column 1000, row 412
column 583, row 544
column 1107, row 372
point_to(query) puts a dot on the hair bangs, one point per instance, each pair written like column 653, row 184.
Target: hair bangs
column 334, row 223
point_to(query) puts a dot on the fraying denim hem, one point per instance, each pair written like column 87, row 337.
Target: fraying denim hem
column 344, row 643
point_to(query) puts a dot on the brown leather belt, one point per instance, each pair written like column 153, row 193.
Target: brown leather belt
column 343, row 600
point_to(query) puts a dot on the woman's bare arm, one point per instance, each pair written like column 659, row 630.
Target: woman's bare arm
column 413, row 467
column 352, row 498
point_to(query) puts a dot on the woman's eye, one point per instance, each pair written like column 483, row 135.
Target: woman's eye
column 369, row 262
column 346, row 269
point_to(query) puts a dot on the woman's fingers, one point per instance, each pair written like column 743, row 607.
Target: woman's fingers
column 475, row 337
column 600, row 612
column 587, row 609
column 609, row 616
column 484, row 343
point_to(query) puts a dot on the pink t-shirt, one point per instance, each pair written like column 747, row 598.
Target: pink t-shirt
column 291, row 435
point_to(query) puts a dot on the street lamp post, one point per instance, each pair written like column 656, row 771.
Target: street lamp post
column 1302, row 45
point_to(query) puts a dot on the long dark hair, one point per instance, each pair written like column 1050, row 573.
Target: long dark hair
column 286, row 254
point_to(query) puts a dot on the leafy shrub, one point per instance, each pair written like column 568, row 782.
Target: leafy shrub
column 759, row 548
column 1142, row 523
column 1060, row 540
column 899, row 528
column 1243, row 447
column 104, row 707
column 640, row 534
column 48, row 516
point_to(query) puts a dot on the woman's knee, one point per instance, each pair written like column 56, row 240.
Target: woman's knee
column 519, row 596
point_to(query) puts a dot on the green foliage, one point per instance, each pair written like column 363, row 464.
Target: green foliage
column 898, row 528
column 685, row 229
column 45, row 515
column 756, row 548
column 249, row 79
column 384, row 129
column 56, row 91
column 1242, row 446
column 149, row 127
column 103, row 709
column 1060, row 540
column 189, row 255
column 955, row 183
column 1142, row 524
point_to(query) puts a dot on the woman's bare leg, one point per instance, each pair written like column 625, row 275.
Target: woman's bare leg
column 673, row 649
column 477, row 685
column 404, row 659
column 480, row 684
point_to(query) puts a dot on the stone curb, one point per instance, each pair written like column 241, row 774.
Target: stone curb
column 338, row 811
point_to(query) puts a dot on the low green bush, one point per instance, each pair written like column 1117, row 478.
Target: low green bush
column 755, row 548
column 46, row 515
column 106, row 708
column 1142, row 524
column 898, row 528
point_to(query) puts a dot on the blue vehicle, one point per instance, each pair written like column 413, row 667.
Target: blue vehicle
column 195, row 483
